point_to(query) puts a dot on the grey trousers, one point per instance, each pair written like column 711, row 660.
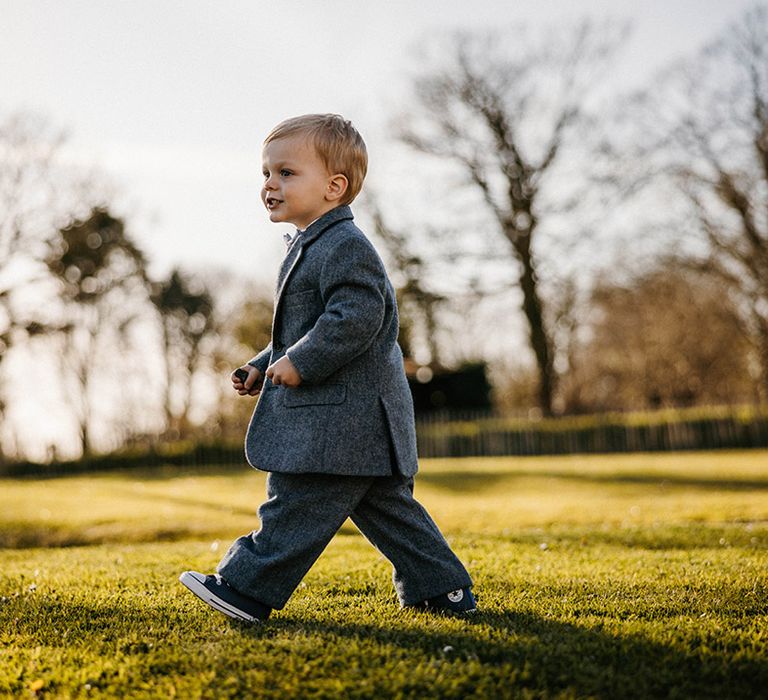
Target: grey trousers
column 304, row 511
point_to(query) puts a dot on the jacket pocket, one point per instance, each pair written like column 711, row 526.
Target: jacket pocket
column 303, row 298
column 315, row 395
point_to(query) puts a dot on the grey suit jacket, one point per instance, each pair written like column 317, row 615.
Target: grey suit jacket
column 335, row 316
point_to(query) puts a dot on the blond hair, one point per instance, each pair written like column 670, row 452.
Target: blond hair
column 337, row 142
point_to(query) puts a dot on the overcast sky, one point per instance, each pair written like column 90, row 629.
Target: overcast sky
column 172, row 98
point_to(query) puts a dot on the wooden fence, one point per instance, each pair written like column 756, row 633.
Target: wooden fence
column 724, row 429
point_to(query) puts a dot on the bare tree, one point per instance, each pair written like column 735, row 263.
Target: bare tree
column 244, row 322
column 417, row 303
column 37, row 192
column 667, row 337
column 503, row 107
column 102, row 290
column 186, row 315
column 27, row 149
column 703, row 133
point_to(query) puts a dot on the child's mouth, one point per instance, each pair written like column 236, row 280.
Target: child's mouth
column 272, row 202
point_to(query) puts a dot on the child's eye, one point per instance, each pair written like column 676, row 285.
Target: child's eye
column 285, row 173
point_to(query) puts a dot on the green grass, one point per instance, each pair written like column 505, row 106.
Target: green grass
column 602, row 576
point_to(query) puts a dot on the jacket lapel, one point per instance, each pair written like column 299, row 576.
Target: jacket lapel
column 305, row 239
column 294, row 253
column 289, row 263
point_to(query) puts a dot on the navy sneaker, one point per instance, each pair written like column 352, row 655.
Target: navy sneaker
column 215, row 591
column 458, row 602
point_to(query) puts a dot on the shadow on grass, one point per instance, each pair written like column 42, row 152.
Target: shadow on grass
column 163, row 472
column 476, row 481
column 526, row 653
column 27, row 535
column 688, row 536
column 169, row 472
column 510, row 653
column 465, row 480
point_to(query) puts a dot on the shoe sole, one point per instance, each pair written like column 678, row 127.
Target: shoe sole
column 196, row 586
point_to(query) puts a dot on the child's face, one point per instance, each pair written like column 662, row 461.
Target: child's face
column 297, row 186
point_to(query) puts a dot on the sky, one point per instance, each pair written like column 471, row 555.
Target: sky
column 171, row 100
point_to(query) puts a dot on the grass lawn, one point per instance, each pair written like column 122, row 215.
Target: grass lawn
column 604, row 576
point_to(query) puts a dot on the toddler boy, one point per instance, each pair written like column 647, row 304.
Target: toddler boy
column 334, row 425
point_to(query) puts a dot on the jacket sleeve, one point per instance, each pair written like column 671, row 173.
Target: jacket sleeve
column 353, row 289
column 261, row 361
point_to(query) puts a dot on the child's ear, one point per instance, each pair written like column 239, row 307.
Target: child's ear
column 337, row 187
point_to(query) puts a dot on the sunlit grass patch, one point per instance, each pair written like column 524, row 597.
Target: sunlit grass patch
column 610, row 576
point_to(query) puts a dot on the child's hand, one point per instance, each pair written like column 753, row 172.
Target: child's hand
column 252, row 385
column 283, row 372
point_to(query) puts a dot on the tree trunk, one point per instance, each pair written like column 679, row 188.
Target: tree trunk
column 541, row 343
column 762, row 350
column 167, row 408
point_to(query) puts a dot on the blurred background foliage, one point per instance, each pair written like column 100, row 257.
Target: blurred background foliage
column 629, row 239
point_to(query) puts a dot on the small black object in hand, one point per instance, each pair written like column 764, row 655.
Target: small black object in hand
column 241, row 374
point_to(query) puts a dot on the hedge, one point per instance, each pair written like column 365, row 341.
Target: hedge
column 439, row 436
